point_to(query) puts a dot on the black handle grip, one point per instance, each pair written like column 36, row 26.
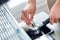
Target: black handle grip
column 46, row 21
column 3, row 1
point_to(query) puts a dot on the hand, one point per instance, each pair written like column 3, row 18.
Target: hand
column 28, row 10
column 55, row 14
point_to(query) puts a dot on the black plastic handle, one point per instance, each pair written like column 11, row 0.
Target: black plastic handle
column 46, row 21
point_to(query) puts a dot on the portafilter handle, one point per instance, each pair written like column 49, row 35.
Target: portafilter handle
column 46, row 21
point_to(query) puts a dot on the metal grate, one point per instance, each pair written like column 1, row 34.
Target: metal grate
column 8, row 29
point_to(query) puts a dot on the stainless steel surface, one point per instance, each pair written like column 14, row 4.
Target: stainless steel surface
column 9, row 29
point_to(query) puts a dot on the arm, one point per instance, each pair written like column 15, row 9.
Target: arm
column 32, row 1
column 30, row 8
column 55, row 12
column 58, row 1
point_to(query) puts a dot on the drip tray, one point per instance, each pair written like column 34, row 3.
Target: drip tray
column 42, row 30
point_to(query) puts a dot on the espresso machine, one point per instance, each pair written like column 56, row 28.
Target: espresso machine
column 37, row 30
column 34, row 32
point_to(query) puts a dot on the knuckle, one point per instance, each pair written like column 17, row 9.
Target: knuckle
column 52, row 16
column 23, row 11
column 56, row 18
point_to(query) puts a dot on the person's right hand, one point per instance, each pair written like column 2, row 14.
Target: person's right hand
column 55, row 13
column 28, row 10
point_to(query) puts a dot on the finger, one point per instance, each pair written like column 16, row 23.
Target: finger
column 59, row 19
column 26, row 12
column 32, row 15
column 22, row 16
column 51, row 20
column 56, row 20
column 28, row 16
column 25, row 19
column 30, row 19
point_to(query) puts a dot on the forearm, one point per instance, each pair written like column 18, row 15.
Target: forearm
column 58, row 1
column 32, row 1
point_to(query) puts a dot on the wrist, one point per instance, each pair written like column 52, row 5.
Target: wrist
column 33, row 2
